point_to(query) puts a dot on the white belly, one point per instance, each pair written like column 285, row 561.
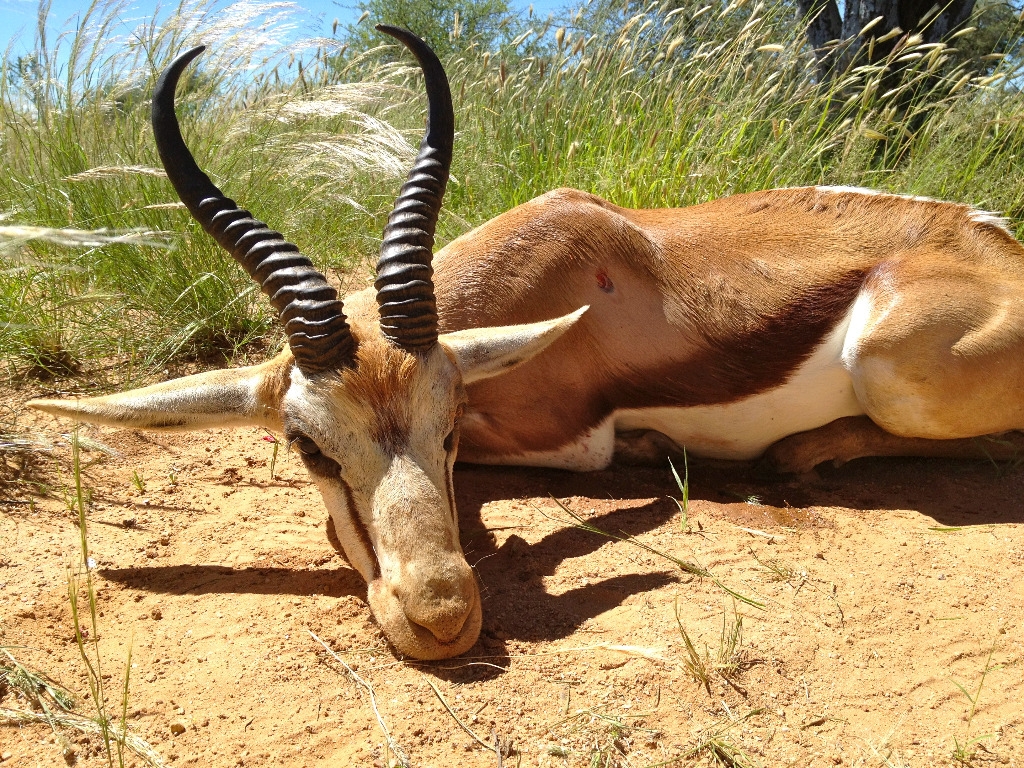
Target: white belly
column 819, row 391
column 589, row 452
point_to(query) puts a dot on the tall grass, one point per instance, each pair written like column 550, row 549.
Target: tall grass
column 79, row 158
column 656, row 109
column 679, row 112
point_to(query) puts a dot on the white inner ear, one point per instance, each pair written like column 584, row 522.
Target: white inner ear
column 227, row 398
column 484, row 352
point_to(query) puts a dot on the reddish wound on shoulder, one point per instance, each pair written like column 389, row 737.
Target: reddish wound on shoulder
column 604, row 282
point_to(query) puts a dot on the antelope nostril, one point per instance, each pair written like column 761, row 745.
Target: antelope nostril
column 441, row 607
column 445, row 629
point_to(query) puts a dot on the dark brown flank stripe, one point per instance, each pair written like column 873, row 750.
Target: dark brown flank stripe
column 737, row 321
column 758, row 359
column 727, row 367
column 360, row 528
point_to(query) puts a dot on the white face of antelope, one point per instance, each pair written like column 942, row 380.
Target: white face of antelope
column 380, row 441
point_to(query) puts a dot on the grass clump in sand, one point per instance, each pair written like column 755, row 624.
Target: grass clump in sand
column 728, row 659
column 964, row 751
column 717, row 745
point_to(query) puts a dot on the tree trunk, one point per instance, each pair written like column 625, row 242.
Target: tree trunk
column 824, row 25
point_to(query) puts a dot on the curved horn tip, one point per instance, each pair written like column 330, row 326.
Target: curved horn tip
column 405, row 291
column 189, row 55
column 167, row 83
column 262, row 251
column 409, row 39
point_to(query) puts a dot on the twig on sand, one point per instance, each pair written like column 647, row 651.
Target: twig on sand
column 462, row 725
column 403, row 759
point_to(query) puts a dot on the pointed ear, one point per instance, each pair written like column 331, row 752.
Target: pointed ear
column 235, row 397
column 484, row 352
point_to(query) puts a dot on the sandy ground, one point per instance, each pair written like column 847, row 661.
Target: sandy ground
column 884, row 584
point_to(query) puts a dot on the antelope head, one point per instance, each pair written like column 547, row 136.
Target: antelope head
column 371, row 401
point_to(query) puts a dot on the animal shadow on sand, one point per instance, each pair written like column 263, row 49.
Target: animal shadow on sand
column 636, row 501
column 633, row 501
column 952, row 492
column 253, row 580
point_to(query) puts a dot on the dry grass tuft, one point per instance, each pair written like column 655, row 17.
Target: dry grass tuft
column 728, row 659
column 718, row 747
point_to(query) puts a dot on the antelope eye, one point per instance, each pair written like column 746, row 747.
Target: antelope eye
column 316, row 462
column 306, row 446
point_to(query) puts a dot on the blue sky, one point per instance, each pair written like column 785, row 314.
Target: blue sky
column 18, row 17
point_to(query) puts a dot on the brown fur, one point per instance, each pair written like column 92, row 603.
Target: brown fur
column 382, row 379
column 707, row 305
column 275, row 382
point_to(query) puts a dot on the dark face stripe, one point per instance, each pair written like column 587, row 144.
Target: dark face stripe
column 448, row 465
column 359, row 527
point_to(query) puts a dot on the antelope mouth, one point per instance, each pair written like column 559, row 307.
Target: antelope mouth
column 452, row 630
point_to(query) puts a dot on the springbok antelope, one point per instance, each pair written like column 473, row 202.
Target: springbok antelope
column 802, row 324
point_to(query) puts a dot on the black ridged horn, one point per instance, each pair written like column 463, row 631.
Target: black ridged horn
column 318, row 333
column 405, row 287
